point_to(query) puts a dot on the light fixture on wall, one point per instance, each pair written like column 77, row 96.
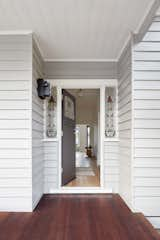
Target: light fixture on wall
column 43, row 88
column 51, row 114
column 80, row 93
column 109, row 121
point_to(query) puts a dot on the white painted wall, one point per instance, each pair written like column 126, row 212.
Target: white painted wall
column 37, row 129
column 146, row 185
column 95, row 142
column 51, row 161
column 21, row 121
column 82, row 136
column 15, row 123
column 125, row 122
column 111, row 166
column 86, row 107
column 139, row 124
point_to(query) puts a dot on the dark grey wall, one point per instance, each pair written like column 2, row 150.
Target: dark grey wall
column 78, row 70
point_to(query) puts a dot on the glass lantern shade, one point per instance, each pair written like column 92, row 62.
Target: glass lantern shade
column 109, row 116
column 51, row 116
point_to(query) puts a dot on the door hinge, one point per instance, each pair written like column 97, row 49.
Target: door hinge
column 61, row 170
column 62, row 133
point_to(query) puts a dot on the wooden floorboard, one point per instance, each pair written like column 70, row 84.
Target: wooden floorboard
column 77, row 217
column 86, row 181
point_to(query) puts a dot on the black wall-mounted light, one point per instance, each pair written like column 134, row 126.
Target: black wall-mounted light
column 43, row 88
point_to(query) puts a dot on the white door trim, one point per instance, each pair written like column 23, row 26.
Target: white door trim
column 83, row 84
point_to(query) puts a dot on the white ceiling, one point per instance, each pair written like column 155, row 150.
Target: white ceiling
column 75, row 29
column 86, row 98
column 84, row 93
column 87, row 105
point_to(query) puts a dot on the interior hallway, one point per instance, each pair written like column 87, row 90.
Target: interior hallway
column 80, row 217
column 87, row 172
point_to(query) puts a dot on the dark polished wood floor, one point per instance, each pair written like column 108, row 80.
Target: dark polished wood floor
column 77, row 217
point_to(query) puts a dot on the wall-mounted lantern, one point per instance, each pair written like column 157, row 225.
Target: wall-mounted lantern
column 110, row 112
column 43, row 88
column 51, row 117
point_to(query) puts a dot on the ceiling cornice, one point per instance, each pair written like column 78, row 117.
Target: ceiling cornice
column 16, row 32
column 80, row 60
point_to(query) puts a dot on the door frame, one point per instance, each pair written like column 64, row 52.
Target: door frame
column 68, row 124
column 100, row 84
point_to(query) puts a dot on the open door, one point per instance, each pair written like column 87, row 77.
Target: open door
column 68, row 138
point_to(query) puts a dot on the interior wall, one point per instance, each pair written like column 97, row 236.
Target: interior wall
column 15, row 123
column 87, row 108
column 37, row 128
column 85, row 115
column 147, row 124
column 93, row 138
column 83, row 136
column 95, row 142
column 125, row 123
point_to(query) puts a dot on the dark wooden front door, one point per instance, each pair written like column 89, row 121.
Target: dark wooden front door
column 68, row 137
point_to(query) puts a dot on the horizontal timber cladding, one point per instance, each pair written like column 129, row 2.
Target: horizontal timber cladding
column 146, row 68
column 50, row 167
column 15, row 123
column 125, row 126
column 37, row 129
column 21, row 124
column 111, row 166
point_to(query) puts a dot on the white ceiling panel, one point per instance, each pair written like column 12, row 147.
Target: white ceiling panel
column 75, row 29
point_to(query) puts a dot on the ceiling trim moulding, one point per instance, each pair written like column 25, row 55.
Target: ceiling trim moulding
column 80, row 60
column 16, row 32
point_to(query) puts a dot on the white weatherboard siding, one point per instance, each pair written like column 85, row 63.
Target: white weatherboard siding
column 21, row 124
column 15, row 123
column 111, row 166
column 147, row 124
column 124, row 112
column 37, row 129
column 50, row 166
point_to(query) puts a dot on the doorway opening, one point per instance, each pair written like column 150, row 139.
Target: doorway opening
column 81, row 138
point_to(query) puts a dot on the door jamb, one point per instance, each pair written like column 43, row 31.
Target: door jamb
column 84, row 84
column 61, row 188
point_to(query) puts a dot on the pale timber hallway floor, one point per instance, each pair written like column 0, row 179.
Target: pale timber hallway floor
column 87, row 172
